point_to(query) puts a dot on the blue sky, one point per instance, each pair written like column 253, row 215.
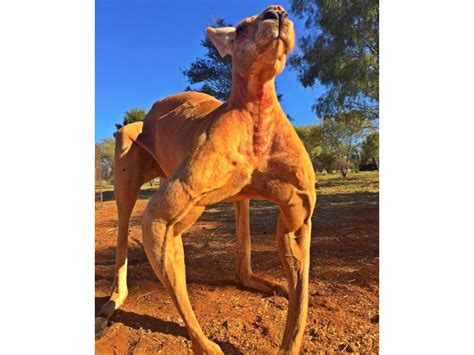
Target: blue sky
column 141, row 45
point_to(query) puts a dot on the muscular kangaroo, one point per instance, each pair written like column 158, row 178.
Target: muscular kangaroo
column 210, row 152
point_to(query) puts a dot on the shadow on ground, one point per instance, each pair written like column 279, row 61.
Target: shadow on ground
column 343, row 271
column 143, row 322
column 345, row 230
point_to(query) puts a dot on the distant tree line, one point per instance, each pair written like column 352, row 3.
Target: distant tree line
column 343, row 143
column 104, row 160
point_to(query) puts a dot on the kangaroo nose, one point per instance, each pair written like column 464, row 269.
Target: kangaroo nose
column 275, row 15
column 270, row 15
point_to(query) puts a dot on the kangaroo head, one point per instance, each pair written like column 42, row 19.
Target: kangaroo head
column 258, row 45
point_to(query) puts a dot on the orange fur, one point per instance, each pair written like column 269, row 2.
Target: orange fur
column 210, row 152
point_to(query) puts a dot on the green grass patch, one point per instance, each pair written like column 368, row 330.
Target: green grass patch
column 365, row 181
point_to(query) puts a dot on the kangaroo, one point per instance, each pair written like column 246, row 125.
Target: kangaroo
column 209, row 152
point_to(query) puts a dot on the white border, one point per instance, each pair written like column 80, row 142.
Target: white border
column 427, row 177
column 47, row 95
column 47, row 233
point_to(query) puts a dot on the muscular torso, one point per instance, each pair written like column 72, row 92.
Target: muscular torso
column 195, row 126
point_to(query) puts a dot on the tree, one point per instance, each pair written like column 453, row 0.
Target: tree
column 313, row 140
column 341, row 52
column 370, row 149
column 212, row 72
column 105, row 152
column 98, row 173
column 132, row 115
column 342, row 135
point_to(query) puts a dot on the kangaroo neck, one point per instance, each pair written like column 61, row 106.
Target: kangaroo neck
column 257, row 99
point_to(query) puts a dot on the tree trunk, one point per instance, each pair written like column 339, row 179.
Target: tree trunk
column 344, row 172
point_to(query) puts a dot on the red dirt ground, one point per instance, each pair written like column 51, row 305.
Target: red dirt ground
column 343, row 312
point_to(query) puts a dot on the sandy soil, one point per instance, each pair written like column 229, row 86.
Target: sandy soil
column 344, row 293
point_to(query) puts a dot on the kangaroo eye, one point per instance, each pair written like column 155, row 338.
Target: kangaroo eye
column 241, row 30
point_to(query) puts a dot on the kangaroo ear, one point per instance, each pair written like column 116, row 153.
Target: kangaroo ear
column 222, row 38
